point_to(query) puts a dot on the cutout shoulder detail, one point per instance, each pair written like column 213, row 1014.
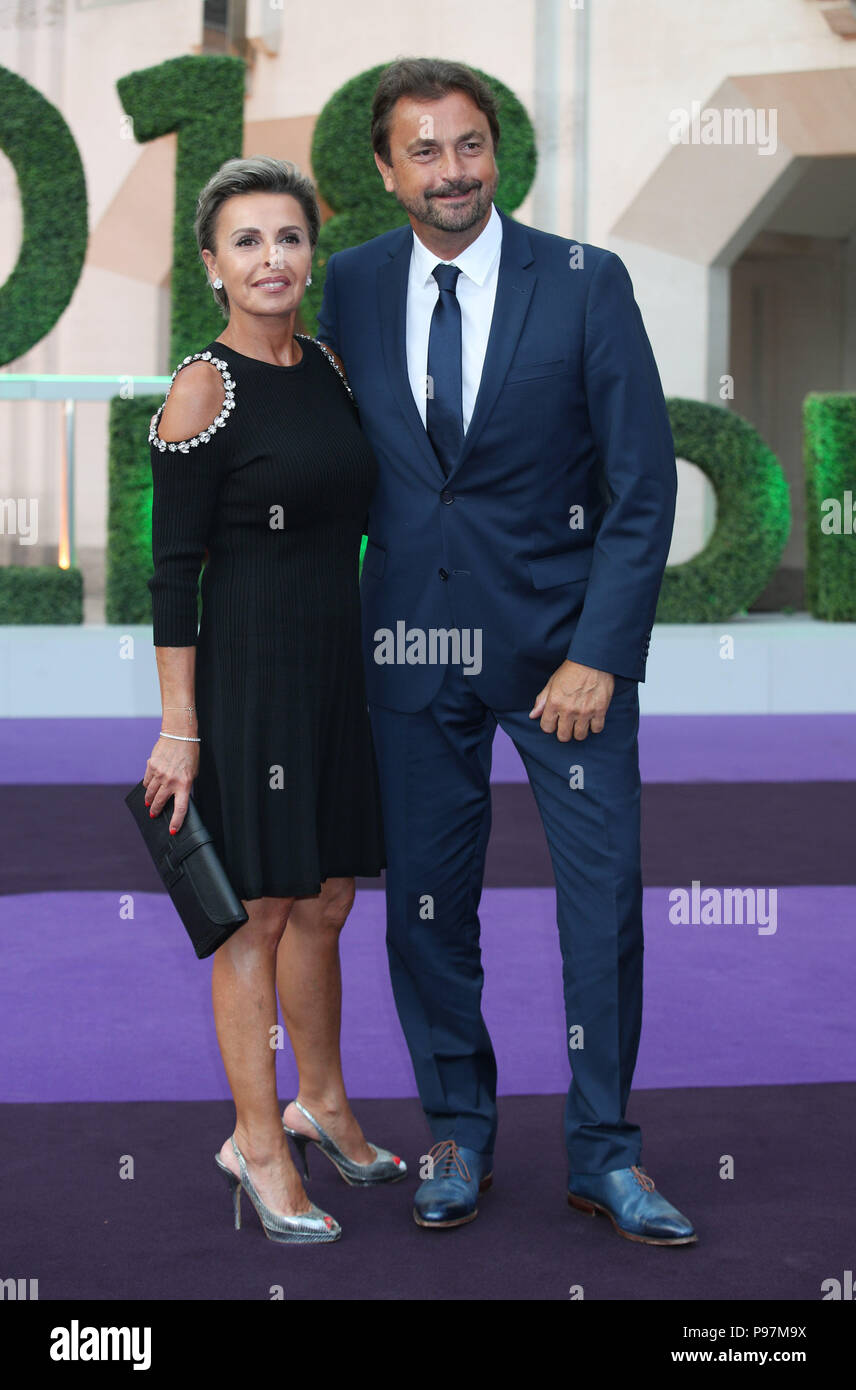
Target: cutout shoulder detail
column 183, row 446
column 331, row 359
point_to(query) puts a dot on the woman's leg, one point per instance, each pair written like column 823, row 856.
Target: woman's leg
column 244, row 996
column 309, row 982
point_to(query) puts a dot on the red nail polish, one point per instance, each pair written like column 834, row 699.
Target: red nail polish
column 173, row 832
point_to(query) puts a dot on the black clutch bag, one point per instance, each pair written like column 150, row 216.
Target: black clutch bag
column 192, row 873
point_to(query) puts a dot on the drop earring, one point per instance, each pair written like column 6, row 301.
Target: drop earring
column 218, row 283
column 308, row 281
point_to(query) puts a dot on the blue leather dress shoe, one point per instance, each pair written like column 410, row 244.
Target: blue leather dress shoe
column 450, row 1196
column 636, row 1210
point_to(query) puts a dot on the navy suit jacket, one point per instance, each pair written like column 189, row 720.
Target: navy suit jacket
column 569, row 414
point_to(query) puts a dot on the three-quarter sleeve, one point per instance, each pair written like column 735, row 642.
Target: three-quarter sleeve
column 186, row 478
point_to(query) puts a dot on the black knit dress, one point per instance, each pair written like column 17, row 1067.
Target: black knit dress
column 277, row 491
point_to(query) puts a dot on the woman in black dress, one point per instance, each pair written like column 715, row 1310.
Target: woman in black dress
column 259, row 464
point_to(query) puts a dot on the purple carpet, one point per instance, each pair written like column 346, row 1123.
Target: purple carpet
column 717, row 832
column 95, row 1007
column 776, row 1231
column 672, row 748
column 747, row 1046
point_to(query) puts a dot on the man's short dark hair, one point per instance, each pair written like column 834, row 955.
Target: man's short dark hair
column 426, row 79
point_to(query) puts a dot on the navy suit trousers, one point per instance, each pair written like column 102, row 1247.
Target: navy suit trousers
column 435, row 785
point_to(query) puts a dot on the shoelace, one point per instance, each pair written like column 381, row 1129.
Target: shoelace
column 446, row 1153
column 642, row 1178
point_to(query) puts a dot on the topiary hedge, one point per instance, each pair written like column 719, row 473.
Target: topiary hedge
column 129, row 509
column 40, row 594
column 41, row 149
column 829, row 454
column 753, row 516
column 200, row 99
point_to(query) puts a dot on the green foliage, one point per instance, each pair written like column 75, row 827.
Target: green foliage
column 129, row 510
column 201, row 99
column 753, row 516
column 40, row 594
column 829, row 455
column 41, row 149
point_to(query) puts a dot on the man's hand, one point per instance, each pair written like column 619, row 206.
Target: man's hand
column 574, row 700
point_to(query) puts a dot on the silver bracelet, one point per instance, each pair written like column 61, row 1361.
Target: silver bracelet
column 181, row 737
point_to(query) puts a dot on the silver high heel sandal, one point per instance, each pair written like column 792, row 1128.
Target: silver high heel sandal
column 308, row 1227
column 385, row 1167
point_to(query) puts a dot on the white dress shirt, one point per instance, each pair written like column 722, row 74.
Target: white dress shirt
column 476, row 292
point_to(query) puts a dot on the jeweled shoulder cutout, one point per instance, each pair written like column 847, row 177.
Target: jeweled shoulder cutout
column 183, row 446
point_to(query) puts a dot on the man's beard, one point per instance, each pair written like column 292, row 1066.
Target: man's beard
column 451, row 217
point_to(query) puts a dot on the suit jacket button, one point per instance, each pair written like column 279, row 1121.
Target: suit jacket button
column 444, row 574
column 447, row 498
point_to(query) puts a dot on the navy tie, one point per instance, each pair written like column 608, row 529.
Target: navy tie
column 444, row 415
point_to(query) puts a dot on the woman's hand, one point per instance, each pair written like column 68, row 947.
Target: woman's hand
column 170, row 771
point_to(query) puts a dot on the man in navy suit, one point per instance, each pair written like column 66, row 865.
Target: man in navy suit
column 516, row 545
